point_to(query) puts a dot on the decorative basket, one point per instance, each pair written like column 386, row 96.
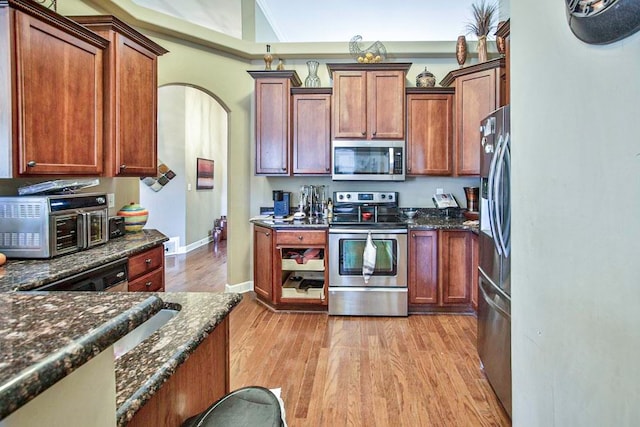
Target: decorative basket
column 371, row 55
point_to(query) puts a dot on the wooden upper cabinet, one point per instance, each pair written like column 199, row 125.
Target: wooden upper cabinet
column 423, row 267
column 368, row 100
column 504, row 31
column 478, row 93
column 273, row 112
column 311, row 131
column 131, row 88
column 51, row 116
column 429, row 131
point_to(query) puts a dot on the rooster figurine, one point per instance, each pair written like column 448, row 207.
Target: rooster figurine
column 374, row 53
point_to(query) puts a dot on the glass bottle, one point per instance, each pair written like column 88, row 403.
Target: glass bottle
column 312, row 79
column 268, row 58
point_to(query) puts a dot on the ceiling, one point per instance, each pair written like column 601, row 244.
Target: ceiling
column 327, row 20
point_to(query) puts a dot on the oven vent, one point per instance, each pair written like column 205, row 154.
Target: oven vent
column 9, row 240
column 20, row 210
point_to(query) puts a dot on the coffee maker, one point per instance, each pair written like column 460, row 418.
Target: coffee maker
column 281, row 203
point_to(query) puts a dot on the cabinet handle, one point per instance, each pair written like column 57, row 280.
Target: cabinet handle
column 374, row 133
column 328, row 169
column 123, row 166
column 364, row 133
column 300, row 238
column 148, row 284
column 267, row 234
column 148, row 260
column 284, row 168
column 413, row 235
column 408, row 169
column 31, row 163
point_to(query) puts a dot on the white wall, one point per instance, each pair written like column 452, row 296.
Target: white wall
column 167, row 207
column 576, row 179
column 191, row 124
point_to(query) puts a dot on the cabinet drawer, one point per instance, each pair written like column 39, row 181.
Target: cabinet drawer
column 301, row 238
column 151, row 282
column 146, row 261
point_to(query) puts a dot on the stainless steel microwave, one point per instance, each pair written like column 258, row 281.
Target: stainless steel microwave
column 47, row 226
column 359, row 160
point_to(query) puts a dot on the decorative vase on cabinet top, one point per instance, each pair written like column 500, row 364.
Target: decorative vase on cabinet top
column 425, row 79
column 312, row 79
column 135, row 217
column 461, row 50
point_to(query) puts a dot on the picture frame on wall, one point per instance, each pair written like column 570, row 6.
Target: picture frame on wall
column 204, row 174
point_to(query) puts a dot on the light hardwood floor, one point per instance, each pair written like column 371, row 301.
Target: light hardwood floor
column 422, row 370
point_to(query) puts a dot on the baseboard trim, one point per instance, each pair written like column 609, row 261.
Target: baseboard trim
column 239, row 288
column 172, row 247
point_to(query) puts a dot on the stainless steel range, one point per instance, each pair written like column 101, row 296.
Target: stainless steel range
column 367, row 287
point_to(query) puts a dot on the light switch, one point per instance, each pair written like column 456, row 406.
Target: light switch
column 111, row 200
column 189, row 187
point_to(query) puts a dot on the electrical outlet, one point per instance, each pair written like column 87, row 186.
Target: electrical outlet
column 111, row 200
column 439, row 190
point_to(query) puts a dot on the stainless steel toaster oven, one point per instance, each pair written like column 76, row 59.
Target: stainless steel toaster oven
column 47, row 226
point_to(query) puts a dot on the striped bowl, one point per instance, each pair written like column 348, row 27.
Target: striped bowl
column 135, row 217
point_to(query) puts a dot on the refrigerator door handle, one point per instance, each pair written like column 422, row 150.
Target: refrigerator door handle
column 492, row 304
column 498, row 190
column 492, row 195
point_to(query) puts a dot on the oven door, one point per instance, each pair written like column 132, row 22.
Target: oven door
column 346, row 249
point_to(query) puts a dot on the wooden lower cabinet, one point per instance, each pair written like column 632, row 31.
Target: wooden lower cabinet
column 423, row 267
column 440, row 270
column 146, row 270
column 285, row 263
column 474, row 271
column 263, row 262
column 200, row 381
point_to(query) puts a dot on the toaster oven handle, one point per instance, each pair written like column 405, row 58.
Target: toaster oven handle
column 82, row 230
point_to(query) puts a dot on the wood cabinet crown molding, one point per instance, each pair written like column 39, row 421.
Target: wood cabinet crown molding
column 110, row 22
column 430, row 90
column 282, row 74
column 38, row 11
column 311, row 91
column 380, row 66
column 488, row 65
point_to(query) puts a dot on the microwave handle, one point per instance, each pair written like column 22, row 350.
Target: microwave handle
column 83, row 238
column 391, row 160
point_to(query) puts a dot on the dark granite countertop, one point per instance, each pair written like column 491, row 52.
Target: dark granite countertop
column 141, row 372
column 44, row 336
column 19, row 274
column 425, row 219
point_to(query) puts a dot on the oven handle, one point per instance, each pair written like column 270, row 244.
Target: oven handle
column 367, row 230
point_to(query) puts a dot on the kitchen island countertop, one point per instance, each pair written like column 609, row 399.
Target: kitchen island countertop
column 28, row 274
column 37, row 351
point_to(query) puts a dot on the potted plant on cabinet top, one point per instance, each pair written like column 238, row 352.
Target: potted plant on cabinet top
column 484, row 17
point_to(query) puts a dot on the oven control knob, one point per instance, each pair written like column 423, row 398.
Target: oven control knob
column 391, row 197
column 340, row 197
column 348, row 196
column 383, row 196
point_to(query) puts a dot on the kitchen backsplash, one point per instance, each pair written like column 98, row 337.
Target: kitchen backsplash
column 414, row 192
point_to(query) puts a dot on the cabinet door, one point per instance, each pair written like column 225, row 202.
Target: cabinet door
column 135, row 97
column 385, row 104
column 423, row 267
column 475, row 99
column 59, row 101
column 311, row 134
column 474, row 271
column 455, row 266
column 263, row 262
column 273, row 117
column 349, row 104
column 429, row 134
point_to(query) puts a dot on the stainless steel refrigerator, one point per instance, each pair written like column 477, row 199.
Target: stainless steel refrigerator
column 494, row 295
